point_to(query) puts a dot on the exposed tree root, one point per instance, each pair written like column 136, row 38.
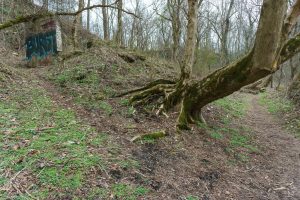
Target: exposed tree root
column 165, row 95
column 150, row 85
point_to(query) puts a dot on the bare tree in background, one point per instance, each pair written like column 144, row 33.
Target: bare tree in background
column 88, row 15
column 119, row 35
column 174, row 8
column 105, row 21
column 77, row 24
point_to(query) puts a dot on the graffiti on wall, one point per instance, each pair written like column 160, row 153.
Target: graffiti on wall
column 41, row 45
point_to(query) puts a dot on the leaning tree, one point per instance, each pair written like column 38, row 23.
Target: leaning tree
column 272, row 47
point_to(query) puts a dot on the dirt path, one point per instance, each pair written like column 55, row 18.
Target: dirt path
column 278, row 175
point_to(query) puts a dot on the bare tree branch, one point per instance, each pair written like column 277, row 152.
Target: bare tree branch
column 27, row 18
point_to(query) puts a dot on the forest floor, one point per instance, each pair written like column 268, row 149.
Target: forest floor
column 56, row 144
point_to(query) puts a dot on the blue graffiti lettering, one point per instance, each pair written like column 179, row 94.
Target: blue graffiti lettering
column 41, row 45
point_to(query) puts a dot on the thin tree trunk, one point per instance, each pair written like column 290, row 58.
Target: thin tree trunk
column 190, row 46
column 174, row 7
column 224, row 39
column 280, row 79
column 119, row 36
column 293, row 69
column 77, row 24
column 46, row 4
column 88, row 16
column 105, row 21
column 294, row 89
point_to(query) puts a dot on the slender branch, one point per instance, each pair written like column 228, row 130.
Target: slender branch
column 98, row 6
column 162, row 16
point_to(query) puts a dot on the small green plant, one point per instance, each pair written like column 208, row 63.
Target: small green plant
column 191, row 197
column 216, row 135
column 105, row 106
column 131, row 111
column 108, row 91
column 124, row 102
column 202, row 125
column 99, row 139
column 62, row 80
column 129, row 164
column 127, row 192
column 140, row 191
column 242, row 157
column 95, row 193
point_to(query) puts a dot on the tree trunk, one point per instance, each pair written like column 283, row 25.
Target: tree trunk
column 105, row 21
column 88, row 16
column 190, row 46
column 224, row 38
column 46, row 4
column 293, row 69
column 294, row 89
column 119, row 35
column 174, row 7
column 280, row 79
column 77, row 25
